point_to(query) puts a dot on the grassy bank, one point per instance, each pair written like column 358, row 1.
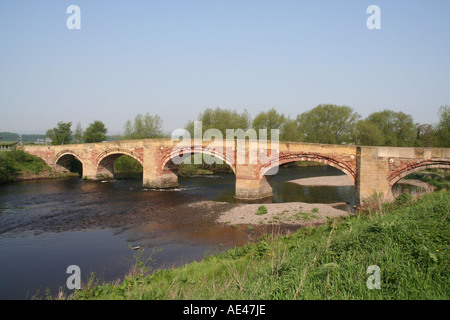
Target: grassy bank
column 19, row 165
column 15, row 164
column 407, row 240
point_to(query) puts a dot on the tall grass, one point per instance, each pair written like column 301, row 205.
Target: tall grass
column 408, row 241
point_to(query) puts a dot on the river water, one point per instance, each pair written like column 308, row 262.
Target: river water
column 48, row 225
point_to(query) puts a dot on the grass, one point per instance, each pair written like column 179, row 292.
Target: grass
column 407, row 240
column 15, row 163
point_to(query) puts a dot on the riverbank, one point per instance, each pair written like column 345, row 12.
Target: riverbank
column 330, row 181
column 409, row 243
column 18, row 165
column 291, row 213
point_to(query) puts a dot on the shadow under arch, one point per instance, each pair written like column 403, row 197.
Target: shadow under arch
column 169, row 170
column 67, row 161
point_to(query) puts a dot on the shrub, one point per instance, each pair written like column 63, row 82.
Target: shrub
column 261, row 210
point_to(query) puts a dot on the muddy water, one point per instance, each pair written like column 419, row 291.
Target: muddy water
column 47, row 225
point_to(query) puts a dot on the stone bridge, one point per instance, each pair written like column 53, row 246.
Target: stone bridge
column 372, row 169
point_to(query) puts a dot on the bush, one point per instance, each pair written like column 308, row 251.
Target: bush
column 7, row 169
column 261, row 210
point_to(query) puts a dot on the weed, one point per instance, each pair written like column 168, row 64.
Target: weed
column 261, row 210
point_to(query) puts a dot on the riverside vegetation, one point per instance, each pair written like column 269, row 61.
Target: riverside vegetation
column 407, row 239
column 19, row 165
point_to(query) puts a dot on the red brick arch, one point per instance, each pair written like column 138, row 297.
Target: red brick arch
column 195, row 150
column 397, row 173
column 346, row 164
column 118, row 152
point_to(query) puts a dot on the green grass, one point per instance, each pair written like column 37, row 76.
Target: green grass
column 15, row 163
column 408, row 242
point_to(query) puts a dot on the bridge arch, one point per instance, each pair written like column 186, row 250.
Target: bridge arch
column 63, row 160
column 405, row 170
column 105, row 160
column 118, row 152
column 168, row 163
column 342, row 166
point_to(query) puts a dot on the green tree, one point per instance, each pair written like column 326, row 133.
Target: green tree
column 9, row 136
column 424, row 135
column 442, row 129
column 269, row 120
column 397, row 127
column 78, row 135
column 95, row 132
column 290, row 131
column 328, row 123
column 368, row 134
column 61, row 134
column 144, row 127
column 222, row 120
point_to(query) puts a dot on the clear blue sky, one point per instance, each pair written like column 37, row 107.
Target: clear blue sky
column 177, row 58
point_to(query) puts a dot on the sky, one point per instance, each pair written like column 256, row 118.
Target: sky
column 177, row 58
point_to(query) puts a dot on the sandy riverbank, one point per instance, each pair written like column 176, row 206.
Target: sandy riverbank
column 331, row 181
column 293, row 213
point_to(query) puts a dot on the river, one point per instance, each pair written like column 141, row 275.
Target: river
column 48, row 225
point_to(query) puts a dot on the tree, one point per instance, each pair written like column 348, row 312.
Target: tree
column 424, row 136
column 95, row 132
column 78, row 135
column 290, row 131
column 442, row 129
column 269, row 120
column 222, row 120
column 143, row 127
column 328, row 123
column 368, row 134
column 397, row 127
column 61, row 134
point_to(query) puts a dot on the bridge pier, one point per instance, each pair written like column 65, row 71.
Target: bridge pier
column 249, row 185
column 90, row 171
column 371, row 175
column 154, row 176
column 247, row 189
